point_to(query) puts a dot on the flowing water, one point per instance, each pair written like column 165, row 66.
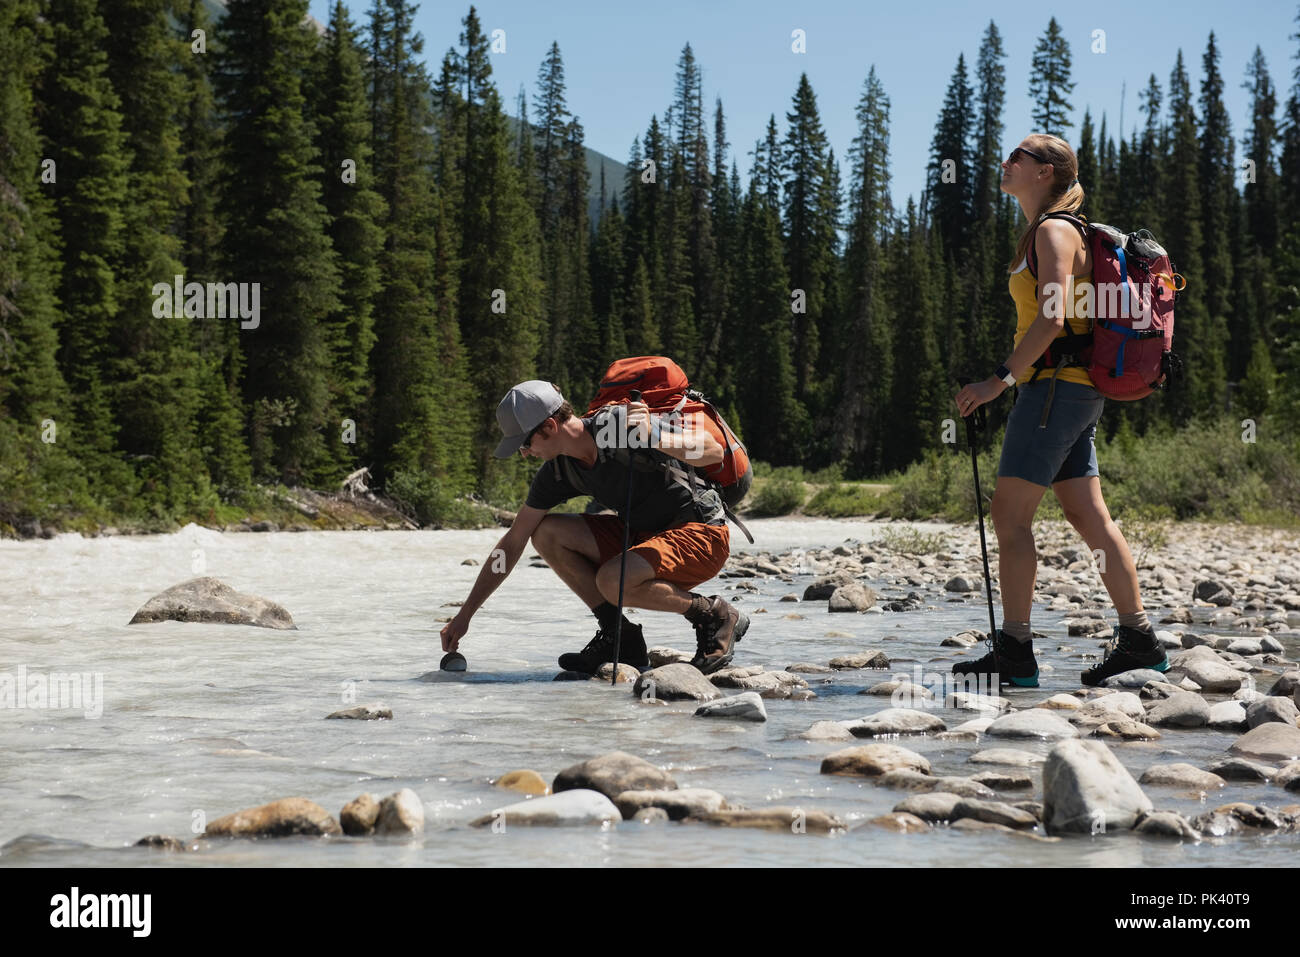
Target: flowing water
column 201, row 720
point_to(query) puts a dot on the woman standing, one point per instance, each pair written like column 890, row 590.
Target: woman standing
column 1049, row 436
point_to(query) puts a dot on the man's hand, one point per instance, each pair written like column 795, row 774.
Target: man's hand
column 454, row 631
column 637, row 419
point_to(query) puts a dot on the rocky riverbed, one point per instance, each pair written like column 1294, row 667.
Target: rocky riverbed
column 838, row 723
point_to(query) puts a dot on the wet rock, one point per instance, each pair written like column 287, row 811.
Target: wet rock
column 866, row 659
column 1216, row 824
column 1228, row 716
column 822, row 588
column 791, row 819
column 626, row 673
column 900, row 689
column 966, row 731
column 1186, row 709
column 1134, row 679
column 211, row 600
column 612, row 774
column 768, row 684
column 1155, row 690
column 1240, row 769
column 1213, row 676
column 1272, row 708
column 1033, row 723
column 525, row 782
column 854, row 597
column 573, row 676
column 899, row 823
column 790, row 597
column 1005, row 780
column 908, row 780
column 896, row 721
column 1061, row 702
column 935, row 807
column 369, row 712
column 677, row 804
column 993, row 812
column 400, row 813
column 1245, row 646
column 360, row 815
column 746, row 706
column 1168, row 640
column 1123, row 702
column 1286, row 684
column 660, row 656
column 808, row 668
column 1007, row 758
column 1086, row 790
column 1181, row 776
column 1256, row 816
column 1215, row 592
column 573, row 808
column 283, row 818
column 958, row 583
column 827, row 731
column 971, row 701
column 873, row 759
column 1271, row 741
column 963, row 640
column 651, row 815
column 1288, row 777
column 1126, row 729
column 160, row 842
column 675, row 682
column 1166, row 824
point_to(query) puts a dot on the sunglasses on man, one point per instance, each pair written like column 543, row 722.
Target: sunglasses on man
column 529, row 439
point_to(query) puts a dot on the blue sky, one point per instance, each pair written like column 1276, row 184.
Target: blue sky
column 620, row 60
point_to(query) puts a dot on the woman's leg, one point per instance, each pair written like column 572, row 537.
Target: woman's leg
column 1086, row 510
column 1015, row 501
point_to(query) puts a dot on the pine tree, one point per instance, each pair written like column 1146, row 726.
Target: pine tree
column 1203, row 387
column 1258, row 286
column 1050, row 83
column 355, row 211
column 276, row 233
column 950, row 180
column 154, row 366
column 220, row 418
column 424, row 412
column 82, row 130
column 1219, row 201
column 36, row 476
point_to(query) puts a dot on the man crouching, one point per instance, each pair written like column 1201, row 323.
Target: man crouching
column 679, row 537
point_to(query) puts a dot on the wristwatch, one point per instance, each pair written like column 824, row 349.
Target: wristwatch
column 1003, row 373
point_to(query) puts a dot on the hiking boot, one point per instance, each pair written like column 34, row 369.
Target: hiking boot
column 1128, row 649
column 716, row 636
column 1012, row 661
column 600, row 650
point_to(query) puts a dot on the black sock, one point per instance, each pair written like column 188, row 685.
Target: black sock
column 698, row 613
column 607, row 615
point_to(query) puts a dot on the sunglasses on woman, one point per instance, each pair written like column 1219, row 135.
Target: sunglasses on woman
column 1020, row 149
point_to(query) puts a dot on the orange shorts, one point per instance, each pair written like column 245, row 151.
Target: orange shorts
column 685, row 555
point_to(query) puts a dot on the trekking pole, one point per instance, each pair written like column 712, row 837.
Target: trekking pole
column 627, row 529
column 975, row 423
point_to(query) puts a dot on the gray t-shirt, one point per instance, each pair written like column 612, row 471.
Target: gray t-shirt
column 659, row 500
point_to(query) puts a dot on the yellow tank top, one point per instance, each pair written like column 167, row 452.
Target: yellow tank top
column 1023, row 288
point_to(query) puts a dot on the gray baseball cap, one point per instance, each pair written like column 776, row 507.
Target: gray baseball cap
column 524, row 408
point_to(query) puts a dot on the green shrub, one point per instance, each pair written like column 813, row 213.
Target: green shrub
column 843, row 500
column 776, row 496
column 912, row 542
column 432, row 504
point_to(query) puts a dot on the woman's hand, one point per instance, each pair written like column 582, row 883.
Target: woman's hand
column 972, row 396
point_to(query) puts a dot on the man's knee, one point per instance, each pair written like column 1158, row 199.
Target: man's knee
column 607, row 575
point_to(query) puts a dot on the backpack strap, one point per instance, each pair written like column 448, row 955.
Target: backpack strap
column 1069, row 345
column 1032, row 254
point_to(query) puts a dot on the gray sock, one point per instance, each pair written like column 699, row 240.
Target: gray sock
column 1018, row 630
column 1136, row 620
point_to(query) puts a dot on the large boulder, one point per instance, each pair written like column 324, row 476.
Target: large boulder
column 572, row 808
column 854, row 597
column 896, row 721
column 1272, row 708
column 212, row 600
column 864, row 659
column 675, row 682
column 612, row 774
column 746, row 706
column 287, row 817
column 1183, row 709
column 1087, row 791
column 1181, row 776
column 400, row 813
column 360, row 815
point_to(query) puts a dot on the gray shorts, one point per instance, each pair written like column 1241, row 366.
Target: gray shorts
column 1064, row 449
